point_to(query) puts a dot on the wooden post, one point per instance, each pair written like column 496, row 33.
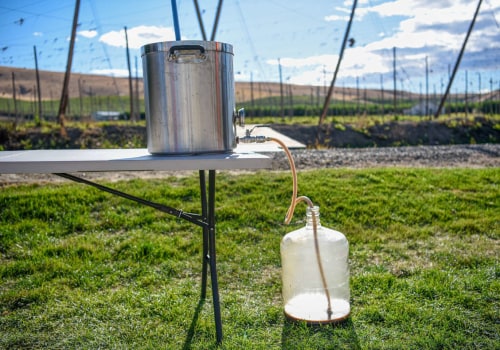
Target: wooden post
column 216, row 22
column 252, row 113
column 332, row 85
column 80, row 98
column 137, row 100
column 457, row 64
column 394, row 78
column 282, row 112
column 40, row 111
column 200, row 20
column 16, row 115
column 382, row 96
column 131, row 90
column 426, row 87
column 64, row 95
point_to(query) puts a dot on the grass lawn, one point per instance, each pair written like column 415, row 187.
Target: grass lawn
column 82, row 269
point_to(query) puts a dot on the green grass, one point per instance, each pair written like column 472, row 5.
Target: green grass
column 82, row 269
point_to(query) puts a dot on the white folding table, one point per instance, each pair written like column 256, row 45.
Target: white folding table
column 64, row 162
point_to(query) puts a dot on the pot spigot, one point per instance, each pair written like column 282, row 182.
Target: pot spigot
column 248, row 138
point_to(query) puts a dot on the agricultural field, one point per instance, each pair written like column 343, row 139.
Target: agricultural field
column 342, row 132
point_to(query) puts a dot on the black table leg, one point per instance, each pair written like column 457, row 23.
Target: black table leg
column 211, row 251
column 209, row 254
column 204, row 213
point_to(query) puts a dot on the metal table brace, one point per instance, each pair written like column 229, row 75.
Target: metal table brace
column 206, row 221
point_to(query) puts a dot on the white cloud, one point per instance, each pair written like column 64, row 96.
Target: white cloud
column 111, row 72
column 346, row 12
column 356, row 62
column 423, row 28
column 417, row 40
column 305, row 61
column 388, row 9
column 336, row 18
column 38, row 34
column 88, row 33
column 309, row 77
column 412, row 8
column 422, row 13
column 138, row 36
column 359, row 61
column 428, row 24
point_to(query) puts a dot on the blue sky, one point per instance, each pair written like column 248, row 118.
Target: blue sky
column 304, row 35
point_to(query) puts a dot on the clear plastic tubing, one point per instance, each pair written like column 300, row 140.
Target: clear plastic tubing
column 315, row 268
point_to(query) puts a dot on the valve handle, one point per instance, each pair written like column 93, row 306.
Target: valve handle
column 241, row 117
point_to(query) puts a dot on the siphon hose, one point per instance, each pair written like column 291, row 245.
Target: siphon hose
column 289, row 215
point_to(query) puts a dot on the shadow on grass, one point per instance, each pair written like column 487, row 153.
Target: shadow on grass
column 299, row 335
column 192, row 326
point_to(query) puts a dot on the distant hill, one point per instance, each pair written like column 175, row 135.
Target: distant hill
column 51, row 84
column 99, row 85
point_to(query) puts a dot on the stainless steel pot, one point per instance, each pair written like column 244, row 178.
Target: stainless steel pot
column 189, row 97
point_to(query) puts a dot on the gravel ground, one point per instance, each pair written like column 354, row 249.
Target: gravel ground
column 457, row 156
column 464, row 156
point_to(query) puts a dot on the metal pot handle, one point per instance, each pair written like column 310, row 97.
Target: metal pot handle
column 175, row 53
